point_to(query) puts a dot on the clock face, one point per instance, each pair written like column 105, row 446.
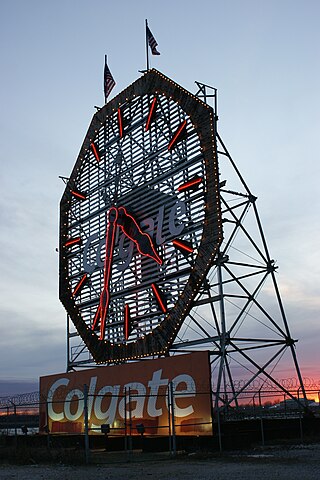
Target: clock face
column 140, row 220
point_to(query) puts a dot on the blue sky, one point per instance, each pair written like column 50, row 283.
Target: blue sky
column 264, row 59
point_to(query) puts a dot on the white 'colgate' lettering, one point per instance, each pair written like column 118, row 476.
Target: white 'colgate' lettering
column 105, row 404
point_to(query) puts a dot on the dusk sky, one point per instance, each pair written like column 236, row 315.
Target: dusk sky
column 263, row 57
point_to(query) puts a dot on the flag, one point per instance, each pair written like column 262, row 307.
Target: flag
column 109, row 82
column 152, row 42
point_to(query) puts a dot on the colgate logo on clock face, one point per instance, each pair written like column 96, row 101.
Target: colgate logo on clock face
column 168, row 222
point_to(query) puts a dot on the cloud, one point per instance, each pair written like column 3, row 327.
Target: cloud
column 10, row 386
column 30, row 348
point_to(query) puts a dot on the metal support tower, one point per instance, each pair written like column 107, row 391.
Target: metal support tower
column 238, row 315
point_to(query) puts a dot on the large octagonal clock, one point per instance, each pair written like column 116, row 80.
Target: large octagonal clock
column 140, row 221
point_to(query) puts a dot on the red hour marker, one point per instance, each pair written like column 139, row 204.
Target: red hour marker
column 72, row 241
column 80, row 285
column 78, row 195
column 151, row 113
column 178, row 135
column 183, row 245
column 159, row 297
column 120, row 122
column 191, row 184
column 126, row 326
column 95, row 151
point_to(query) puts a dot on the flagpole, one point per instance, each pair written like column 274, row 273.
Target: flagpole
column 147, row 49
column 105, row 63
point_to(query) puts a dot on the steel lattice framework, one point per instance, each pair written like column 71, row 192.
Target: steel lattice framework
column 238, row 313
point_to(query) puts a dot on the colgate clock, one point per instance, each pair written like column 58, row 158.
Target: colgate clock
column 140, row 220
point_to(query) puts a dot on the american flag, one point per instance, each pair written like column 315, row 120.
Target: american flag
column 152, row 42
column 109, row 82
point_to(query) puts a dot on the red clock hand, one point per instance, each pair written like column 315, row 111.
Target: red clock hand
column 105, row 294
column 129, row 226
column 132, row 230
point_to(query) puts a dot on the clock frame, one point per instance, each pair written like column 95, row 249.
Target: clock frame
column 150, row 150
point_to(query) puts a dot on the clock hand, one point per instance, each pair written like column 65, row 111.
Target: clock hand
column 132, row 230
column 105, row 294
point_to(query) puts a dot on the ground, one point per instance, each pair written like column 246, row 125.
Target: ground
column 297, row 462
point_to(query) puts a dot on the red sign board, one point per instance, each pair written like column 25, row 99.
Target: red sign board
column 171, row 391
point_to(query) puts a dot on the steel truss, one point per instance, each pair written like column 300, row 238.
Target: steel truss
column 238, row 315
